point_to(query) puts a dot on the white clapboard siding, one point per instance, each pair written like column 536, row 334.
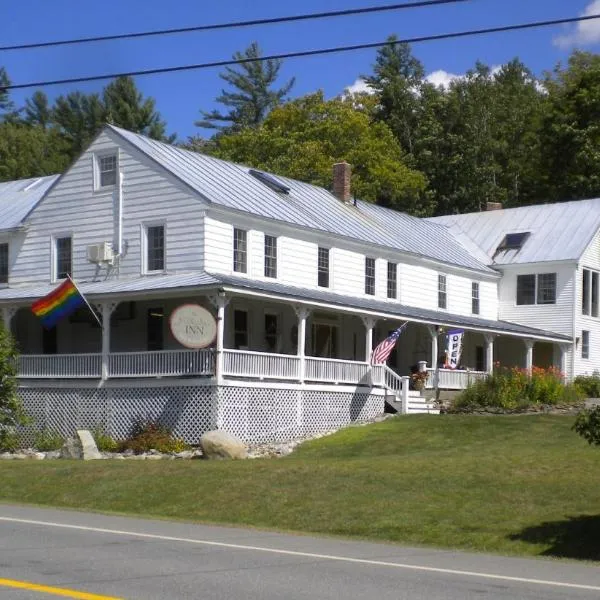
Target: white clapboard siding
column 73, row 207
column 589, row 260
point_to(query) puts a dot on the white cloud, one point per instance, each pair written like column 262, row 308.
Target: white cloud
column 358, row 87
column 442, row 78
column 585, row 32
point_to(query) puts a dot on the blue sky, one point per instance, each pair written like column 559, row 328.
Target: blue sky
column 180, row 96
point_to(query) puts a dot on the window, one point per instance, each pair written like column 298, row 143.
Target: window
column 155, row 248
column 270, row 181
column 240, row 251
column 107, row 170
column 270, row 256
column 240, row 329
column 475, row 297
column 392, row 280
column 323, row 267
column 271, row 332
column 154, row 329
column 513, row 241
column 63, row 257
column 370, row 276
column 590, row 293
column 479, row 358
column 585, row 344
column 3, row 263
column 536, row 289
column 546, row 288
column 525, row 289
column 442, row 295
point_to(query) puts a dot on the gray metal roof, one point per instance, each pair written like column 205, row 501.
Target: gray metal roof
column 17, row 198
column 189, row 282
column 230, row 185
column 559, row 231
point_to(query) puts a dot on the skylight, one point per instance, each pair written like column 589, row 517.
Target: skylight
column 513, row 241
column 270, row 181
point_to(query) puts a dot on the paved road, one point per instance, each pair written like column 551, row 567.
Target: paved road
column 116, row 557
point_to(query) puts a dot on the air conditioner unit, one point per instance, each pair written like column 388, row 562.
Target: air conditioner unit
column 98, row 253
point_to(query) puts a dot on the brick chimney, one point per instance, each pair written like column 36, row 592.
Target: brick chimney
column 493, row 206
column 341, row 181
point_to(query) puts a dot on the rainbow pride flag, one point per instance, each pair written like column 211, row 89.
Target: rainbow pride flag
column 59, row 303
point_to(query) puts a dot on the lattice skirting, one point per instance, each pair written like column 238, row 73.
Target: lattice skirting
column 254, row 414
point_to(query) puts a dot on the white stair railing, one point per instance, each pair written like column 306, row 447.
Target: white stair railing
column 394, row 383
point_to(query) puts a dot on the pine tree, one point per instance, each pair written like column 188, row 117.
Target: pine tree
column 253, row 97
column 7, row 106
column 38, row 110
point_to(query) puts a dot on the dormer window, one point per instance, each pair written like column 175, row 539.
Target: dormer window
column 106, row 166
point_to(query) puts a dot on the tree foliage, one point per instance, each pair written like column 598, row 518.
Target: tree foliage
column 587, row 425
column 253, row 95
column 304, row 138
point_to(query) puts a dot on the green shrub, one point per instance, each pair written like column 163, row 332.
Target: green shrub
column 514, row 389
column 10, row 440
column 148, row 434
column 103, row 441
column 587, row 425
column 589, row 385
column 47, row 440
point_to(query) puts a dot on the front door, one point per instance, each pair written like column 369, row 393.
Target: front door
column 324, row 340
column 154, row 329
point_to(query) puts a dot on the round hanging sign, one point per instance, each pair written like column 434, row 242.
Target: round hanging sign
column 193, row 326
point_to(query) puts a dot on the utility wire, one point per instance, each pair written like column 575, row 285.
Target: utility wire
column 303, row 53
column 237, row 24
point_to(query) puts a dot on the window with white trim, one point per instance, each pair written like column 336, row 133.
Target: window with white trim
column 240, row 250
column 155, row 248
column 240, row 329
column 270, row 256
column 585, row 344
column 442, row 292
column 323, row 267
column 475, row 297
column 536, row 289
column 107, row 169
column 63, row 256
column 4, row 263
column 392, row 280
column 370, row 276
column 590, row 293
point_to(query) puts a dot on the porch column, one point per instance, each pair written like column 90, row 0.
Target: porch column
column 563, row 349
column 433, row 333
column 8, row 312
column 302, row 312
column 529, row 356
column 106, row 309
column 221, row 302
column 489, row 352
column 369, row 323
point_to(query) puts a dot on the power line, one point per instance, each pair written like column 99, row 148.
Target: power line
column 236, row 24
column 303, row 53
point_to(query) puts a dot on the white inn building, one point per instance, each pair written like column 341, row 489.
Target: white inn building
column 302, row 281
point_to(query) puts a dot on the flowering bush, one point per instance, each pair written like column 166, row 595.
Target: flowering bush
column 418, row 379
column 148, row 434
column 514, row 389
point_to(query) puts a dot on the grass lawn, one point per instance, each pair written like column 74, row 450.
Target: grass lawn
column 523, row 485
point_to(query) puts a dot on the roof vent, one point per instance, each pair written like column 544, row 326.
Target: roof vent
column 270, row 181
column 513, row 241
column 32, row 184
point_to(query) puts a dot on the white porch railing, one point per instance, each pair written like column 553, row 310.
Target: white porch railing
column 329, row 370
column 161, row 363
column 260, row 365
column 450, row 379
column 59, row 365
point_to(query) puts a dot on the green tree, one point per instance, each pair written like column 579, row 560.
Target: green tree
column 305, row 137
column 38, row 110
column 570, row 132
column 253, row 96
column 7, row 107
column 125, row 107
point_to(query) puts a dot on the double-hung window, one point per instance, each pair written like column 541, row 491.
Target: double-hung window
column 3, row 263
column 323, row 267
column 546, row 288
column 107, row 170
column 370, row 276
column 63, row 257
column 585, row 344
column 392, row 280
column 442, row 292
column 475, row 297
column 155, row 248
column 590, row 293
column 240, row 250
column 270, row 256
column 536, row 289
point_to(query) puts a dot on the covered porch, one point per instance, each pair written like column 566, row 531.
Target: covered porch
column 265, row 332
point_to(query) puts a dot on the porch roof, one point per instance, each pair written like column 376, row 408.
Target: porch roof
column 189, row 282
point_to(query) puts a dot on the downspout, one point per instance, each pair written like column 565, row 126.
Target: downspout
column 120, row 215
column 574, row 344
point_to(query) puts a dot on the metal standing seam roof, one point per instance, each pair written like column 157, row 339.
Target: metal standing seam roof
column 231, row 185
column 184, row 282
column 17, row 198
column 560, row 231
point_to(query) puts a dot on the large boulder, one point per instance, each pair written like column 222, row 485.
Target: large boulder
column 72, row 449
column 81, row 447
column 220, row 444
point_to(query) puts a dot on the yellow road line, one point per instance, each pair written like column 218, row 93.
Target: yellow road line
column 46, row 589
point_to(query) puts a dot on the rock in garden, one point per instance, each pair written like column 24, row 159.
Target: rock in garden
column 88, row 445
column 220, row 444
column 72, row 449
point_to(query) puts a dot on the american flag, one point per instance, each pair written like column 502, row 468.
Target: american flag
column 384, row 349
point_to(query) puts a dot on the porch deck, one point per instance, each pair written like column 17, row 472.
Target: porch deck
column 237, row 364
